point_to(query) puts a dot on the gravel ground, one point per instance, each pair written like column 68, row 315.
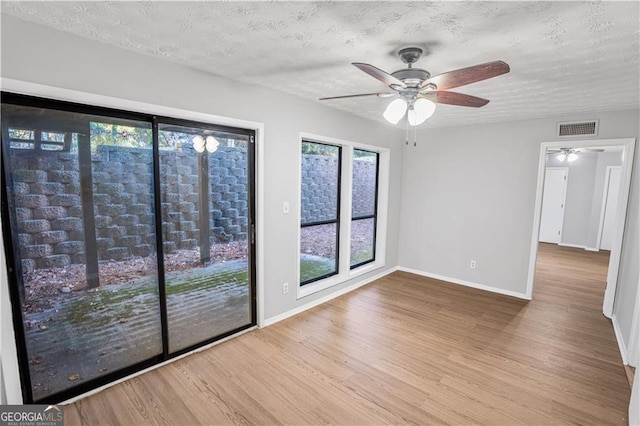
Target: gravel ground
column 321, row 240
column 44, row 286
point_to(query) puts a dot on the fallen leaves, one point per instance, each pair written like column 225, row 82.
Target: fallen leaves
column 45, row 286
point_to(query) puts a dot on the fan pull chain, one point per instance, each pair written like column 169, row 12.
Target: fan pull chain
column 407, row 140
column 415, row 135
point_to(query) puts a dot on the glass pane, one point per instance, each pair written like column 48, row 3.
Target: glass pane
column 205, row 225
column 365, row 169
column 362, row 241
column 320, row 180
column 82, row 216
column 318, row 249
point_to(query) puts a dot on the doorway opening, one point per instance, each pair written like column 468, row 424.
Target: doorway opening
column 609, row 198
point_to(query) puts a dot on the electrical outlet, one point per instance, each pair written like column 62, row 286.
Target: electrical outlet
column 472, row 265
column 285, row 288
column 285, row 207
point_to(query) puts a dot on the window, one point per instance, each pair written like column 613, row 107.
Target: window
column 364, row 206
column 343, row 206
column 130, row 240
column 320, row 211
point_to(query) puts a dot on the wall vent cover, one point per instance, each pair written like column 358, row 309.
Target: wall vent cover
column 578, row 128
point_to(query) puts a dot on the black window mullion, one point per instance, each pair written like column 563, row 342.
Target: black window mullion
column 88, row 215
column 369, row 216
column 251, row 180
column 375, row 207
column 338, row 212
column 321, row 222
column 162, row 288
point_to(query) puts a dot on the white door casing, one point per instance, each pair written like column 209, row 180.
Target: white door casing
column 609, row 210
column 553, row 200
column 628, row 147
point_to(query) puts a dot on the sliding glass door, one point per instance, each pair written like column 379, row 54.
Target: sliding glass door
column 80, row 202
column 129, row 240
column 206, row 229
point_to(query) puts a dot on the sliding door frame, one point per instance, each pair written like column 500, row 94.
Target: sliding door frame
column 141, row 112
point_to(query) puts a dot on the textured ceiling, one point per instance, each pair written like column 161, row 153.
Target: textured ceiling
column 565, row 57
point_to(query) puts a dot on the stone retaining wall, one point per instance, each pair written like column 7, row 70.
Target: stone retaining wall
column 49, row 207
column 319, row 186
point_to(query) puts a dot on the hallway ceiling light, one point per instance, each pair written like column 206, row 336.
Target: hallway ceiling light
column 570, row 154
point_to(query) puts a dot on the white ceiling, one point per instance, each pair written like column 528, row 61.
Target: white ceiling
column 565, row 57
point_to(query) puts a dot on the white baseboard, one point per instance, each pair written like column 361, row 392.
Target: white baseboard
column 591, row 249
column 272, row 320
column 466, row 283
column 580, row 246
column 620, row 340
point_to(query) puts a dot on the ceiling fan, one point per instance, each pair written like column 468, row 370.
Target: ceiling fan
column 570, row 154
column 569, row 149
column 417, row 91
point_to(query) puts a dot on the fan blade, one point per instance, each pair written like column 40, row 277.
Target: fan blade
column 382, row 95
column 377, row 73
column 464, row 76
column 590, row 150
column 453, row 98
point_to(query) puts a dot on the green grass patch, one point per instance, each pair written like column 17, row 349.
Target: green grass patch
column 314, row 266
column 127, row 300
column 201, row 279
column 360, row 256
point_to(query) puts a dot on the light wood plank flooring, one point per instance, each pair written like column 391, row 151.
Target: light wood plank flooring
column 404, row 349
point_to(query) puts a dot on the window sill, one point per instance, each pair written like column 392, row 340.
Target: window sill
column 309, row 289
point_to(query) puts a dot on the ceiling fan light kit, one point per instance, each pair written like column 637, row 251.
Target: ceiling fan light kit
column 417, row 92
column 571, row 154
column 422, row 109
column 395, row 110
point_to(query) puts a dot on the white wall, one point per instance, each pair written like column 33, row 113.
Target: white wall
column 38, row 54
column 628, row 282
column 469, row 193
column 605, row 159
column 10, row 381
column 580, row 185
column 585, row 187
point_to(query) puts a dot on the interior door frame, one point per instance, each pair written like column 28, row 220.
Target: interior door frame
column 564, row 199
column 605, row 196
column 628, row 146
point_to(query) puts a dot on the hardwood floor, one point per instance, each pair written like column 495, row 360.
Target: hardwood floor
column 404, row 349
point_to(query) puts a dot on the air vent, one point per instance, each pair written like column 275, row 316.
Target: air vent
column 578, row 128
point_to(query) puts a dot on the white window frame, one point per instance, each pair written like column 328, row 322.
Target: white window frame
column 345, row 273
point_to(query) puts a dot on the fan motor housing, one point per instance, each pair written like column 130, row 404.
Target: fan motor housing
column 411, row 76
